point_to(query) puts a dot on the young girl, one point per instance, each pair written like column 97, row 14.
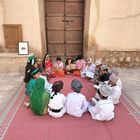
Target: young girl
column 80, row 65
column 48, row 66
column 70, row 66
column 59, row 67
column 57, row 101
column 39, row 98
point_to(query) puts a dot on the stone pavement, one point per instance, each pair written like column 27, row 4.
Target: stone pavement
column 9, row 83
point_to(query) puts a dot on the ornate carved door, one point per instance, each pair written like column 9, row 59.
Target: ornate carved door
column 64, row 27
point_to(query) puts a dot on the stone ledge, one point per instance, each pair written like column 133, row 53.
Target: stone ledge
column 119, row 58
column 13, row 62
column 14, row 55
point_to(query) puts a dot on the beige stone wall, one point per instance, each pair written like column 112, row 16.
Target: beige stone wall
column 25, row 12
column 112, row 33
column 41, row 4
column 118, row 25
column 1, row 24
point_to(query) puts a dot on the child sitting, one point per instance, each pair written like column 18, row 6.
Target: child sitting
column 80, row 65
column 70, row 66
column 76, row 102
column 89, row 69
column 59, row 67
column 48, row 66
column 57, row 101
column 102, row 110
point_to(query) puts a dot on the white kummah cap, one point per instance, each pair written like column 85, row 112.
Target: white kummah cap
column 113, row 78
column 105, row 90
column 98, row 62
column 89, row 60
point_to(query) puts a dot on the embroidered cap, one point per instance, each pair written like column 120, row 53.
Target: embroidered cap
column 76, row 85
column 113, row 78
column 104, row 67
column 89, row 60
column 105, row 90
column 98, row 62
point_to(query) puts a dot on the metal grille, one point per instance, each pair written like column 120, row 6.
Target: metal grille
column 12, row 35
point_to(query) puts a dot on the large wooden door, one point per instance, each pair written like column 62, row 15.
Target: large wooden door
column 64, row 27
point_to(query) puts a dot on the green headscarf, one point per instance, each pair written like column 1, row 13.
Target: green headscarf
column 39, row 98
column 31, row 59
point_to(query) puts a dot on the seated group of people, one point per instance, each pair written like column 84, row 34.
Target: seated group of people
column 45, row 97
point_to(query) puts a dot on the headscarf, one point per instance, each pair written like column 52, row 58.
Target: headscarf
column 31, row 60
column 36, row 97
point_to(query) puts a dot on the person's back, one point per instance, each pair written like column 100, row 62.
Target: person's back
column 57, row 101
column 39, row 98
column 115, row 94
column 103, row 110
column 76, row 103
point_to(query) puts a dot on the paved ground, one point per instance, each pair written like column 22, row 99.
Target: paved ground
column 9, row 83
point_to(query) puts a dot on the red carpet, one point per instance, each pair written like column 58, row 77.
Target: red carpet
column 26, row 126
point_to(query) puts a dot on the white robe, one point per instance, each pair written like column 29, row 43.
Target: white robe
column 76, row 104
column 102, row 111
column 119, row 83
column 48, row 86
column 115, row 94
column 56, row 103
column 88, row 71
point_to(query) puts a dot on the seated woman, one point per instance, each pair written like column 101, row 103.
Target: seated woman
column 38, row 64
column 39, row 98
column 69, row 65
column 59, row 67
column 48, row 66
column 30, row 84
column 57, row 101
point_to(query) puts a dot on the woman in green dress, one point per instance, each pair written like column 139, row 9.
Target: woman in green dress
column 39, row 98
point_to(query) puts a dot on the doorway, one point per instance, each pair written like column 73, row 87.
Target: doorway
column 64, row 28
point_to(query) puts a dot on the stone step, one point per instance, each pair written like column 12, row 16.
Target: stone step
column 5, row 50
column 13, row 62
